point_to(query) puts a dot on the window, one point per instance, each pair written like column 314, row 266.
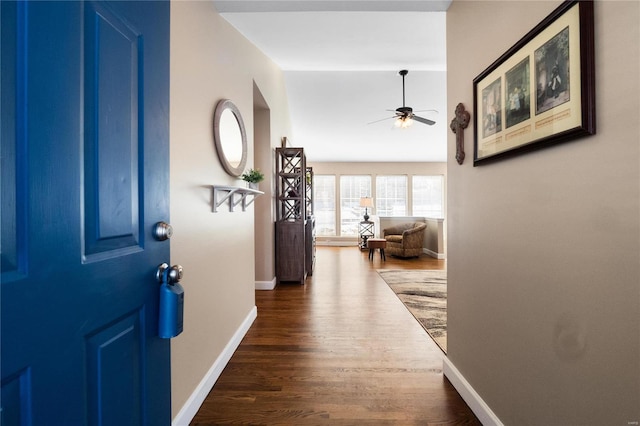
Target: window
column 324, row 200
column 428, row 196
column 351, row 189
column 391, row 195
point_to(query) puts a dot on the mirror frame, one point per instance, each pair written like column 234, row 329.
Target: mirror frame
column 222, row 106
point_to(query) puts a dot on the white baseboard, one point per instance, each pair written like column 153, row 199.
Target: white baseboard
column 191, row 407
column 266, row 285
column 470, row 396
column 433, row 253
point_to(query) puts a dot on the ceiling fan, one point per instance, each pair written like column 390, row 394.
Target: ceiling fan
column 404, row 114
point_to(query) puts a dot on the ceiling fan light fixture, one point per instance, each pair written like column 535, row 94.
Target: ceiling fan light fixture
column 403, row 122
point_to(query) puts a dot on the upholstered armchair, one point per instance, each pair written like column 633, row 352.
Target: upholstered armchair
column 405, row 240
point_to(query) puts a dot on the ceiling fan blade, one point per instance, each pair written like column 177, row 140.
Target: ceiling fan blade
column 382, row 119
column 424, row 120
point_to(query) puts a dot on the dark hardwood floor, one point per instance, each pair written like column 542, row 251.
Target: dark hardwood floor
column 340, row 350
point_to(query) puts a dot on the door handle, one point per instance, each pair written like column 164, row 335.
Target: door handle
column 169, row 274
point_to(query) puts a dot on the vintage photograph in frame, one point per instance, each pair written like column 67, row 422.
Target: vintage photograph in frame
column 541, row 91
column 518, row 94
column 492, row 109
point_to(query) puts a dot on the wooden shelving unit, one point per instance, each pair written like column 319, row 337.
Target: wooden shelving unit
column 295, row 224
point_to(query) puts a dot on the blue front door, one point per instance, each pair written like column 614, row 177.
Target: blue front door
column 84, row 175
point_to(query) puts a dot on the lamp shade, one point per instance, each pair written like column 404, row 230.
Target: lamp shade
column 366, row 202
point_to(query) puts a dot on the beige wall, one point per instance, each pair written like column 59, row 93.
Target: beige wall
column 264, row 159
column 544, row 248
column 211, row 61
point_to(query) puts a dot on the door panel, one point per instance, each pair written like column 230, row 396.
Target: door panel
column 114, row 365
column 12, row 160
column 16, row 399
column 85, row 101
column 111, row 182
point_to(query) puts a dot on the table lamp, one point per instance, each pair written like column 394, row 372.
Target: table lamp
column 366, row 202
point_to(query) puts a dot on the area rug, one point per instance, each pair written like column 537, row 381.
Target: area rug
column 424, row 293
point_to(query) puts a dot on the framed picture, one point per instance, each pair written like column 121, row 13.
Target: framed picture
column 541, row 91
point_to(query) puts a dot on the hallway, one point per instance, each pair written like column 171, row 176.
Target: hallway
column 340, row 350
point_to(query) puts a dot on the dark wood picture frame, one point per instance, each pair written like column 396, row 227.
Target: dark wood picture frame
column 541, row 91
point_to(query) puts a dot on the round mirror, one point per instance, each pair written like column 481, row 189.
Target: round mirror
column 230, row 137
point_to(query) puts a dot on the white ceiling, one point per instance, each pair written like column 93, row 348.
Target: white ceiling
column 341, row 61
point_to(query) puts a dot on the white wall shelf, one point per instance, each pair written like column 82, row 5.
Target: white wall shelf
column 234, row 195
